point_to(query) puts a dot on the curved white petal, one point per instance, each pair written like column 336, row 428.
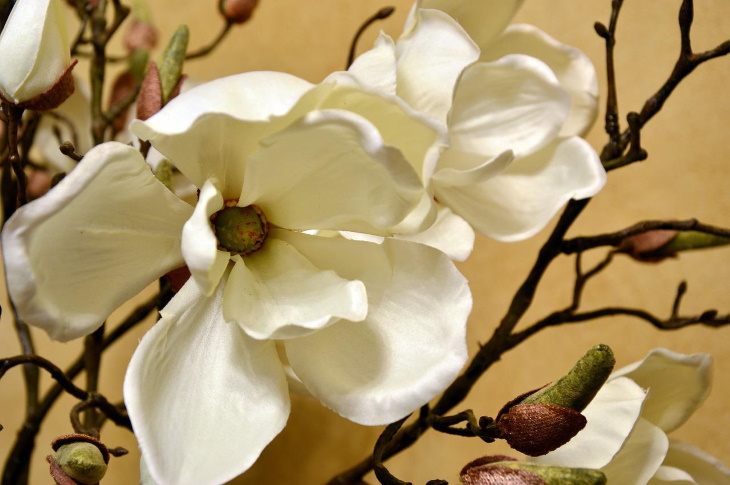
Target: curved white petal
column 515, row 103
column 610, row 418
column 640, row 457
column 667, row 475
column 678, row 385
column 450, row 234
column 34, row 49
column 574, row 70
column 108, row 229
column 199, row 244
column 211, row 130
column 377, row 67
column 331, row 170
column 410, row 346
column 145, row 478
column 203, row 397
column 704, row 469
column 276, row 293
column 484, row 20
column 431, row 57
column 521, row 200
column 418, row 136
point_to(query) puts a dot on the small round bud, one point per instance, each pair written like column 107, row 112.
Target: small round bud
column 81, row 461
column 238, row 11
column 240, row 230
column 140, row 35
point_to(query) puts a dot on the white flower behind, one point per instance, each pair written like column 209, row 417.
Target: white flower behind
column 626, row 434
column 513, row 102
column 374, row 331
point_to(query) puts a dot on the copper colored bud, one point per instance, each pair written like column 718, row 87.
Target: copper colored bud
column 79, row 459
column 238, row 11
column 53, row 96
column 490, row 470
column 140, row 35
column 538, row 429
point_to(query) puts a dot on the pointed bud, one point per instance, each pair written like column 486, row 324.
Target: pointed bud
column 34, row 47
column 150, row 94
column 512, row 472
column 140, row 34
column 237, row 11
column 640, row 246
column 172, row 62
column 577, row 388
column 163, row 173
column 123, row 86
column 138, row 61
column 538, row 429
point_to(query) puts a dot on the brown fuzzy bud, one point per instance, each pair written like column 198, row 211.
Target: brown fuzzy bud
column 640, row 246
column 53, row 96
column 238, row 11
column 39, row 182
column 491, row 471
column 140, row 35
column 538, row 429
column 124, row 85
column 178, row 277
column 150, row 95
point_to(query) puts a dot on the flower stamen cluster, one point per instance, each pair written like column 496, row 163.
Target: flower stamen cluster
column 240, row 230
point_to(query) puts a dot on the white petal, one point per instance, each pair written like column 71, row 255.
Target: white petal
column 144, row 473
column 34, row 48
column 574, row 70
column 199, row 244
column 301, row 175
column 204, row 398
column 418, row 136
column 209, row 131
column 640, row 457
column 410, row 346
column 431, row 57
column 667, row 475
column 610, row 418
column 521, row 200
column 450, row 234
column 514, row 103
column 678, row 385
column 377, row 67
column 276, row 293
column 483, row 20
column 108, row 229
column 704, row 469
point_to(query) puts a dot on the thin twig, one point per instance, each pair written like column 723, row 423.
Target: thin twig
column 204, row 51
column 381, row 14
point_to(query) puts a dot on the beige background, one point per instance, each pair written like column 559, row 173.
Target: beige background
column 685, row 176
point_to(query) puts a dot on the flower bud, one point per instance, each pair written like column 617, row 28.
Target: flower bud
column 172, row 62
column 150, row 94
column 34, row 48
column 653, row 246
column 577, row 388
column 79, row 458
column 237, row 11
column 502, row 470
column 140, row 35
column 538, row 429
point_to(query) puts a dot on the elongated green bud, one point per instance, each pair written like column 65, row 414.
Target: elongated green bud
column 577, row 388
column 172, row 61
column 558, row 475
column 501, row 470
column 163, row 173
column 689, row 240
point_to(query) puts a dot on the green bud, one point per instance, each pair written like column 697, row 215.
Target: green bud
column 81, row 461
column 164, row 173
column 240, row 230
column 689, row 240
column 172, row 61
column 558, row 475
column 577, row 388
column 138, row 63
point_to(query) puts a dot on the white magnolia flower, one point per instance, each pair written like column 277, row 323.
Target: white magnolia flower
column 513, row 102
column 626, row 434
column 372, row 330
column 35, row 54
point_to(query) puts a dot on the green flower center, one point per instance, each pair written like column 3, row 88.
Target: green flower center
column 240, row 230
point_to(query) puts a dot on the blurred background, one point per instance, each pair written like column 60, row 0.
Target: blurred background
column 685, row 176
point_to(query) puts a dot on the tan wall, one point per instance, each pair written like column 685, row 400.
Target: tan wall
column 686, row 176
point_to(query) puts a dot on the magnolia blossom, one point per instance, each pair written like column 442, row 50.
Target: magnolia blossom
column 512, row 102
column 372, row 330
column 35, row 52
column 630, row 417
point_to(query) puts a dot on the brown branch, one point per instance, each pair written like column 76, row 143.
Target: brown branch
column 204, row 51
column 381, row 14
column 612, row 126
column 614, row 239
